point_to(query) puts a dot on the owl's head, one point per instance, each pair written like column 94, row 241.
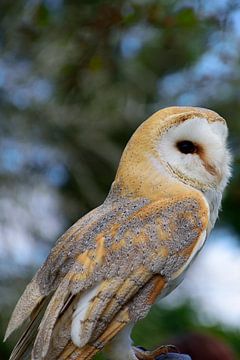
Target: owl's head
column 193, row 148
column 184, row 145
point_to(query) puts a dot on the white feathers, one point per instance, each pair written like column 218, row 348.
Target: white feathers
column 211, row 137
column 120, row 347
column 79, row 315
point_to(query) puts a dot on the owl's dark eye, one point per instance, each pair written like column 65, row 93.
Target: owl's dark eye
column 187, row 147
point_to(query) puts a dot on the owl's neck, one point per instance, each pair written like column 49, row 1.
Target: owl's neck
column 149, row 187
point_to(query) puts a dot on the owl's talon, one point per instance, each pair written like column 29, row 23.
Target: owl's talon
column 143, row 354
column 165, row 349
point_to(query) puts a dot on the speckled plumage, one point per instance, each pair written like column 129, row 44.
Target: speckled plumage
column 108, row 269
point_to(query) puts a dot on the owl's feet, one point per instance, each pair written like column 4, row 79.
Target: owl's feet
column 142, row 354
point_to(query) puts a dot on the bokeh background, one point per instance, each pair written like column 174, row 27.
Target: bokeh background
column 76, row 79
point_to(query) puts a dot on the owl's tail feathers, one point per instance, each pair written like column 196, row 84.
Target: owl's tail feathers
column 71, row 352
column 37, row 336
column 29, row 303
column 22, row 350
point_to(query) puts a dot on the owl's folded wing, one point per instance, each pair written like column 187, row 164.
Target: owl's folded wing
column 146, row 250
column 51, row 273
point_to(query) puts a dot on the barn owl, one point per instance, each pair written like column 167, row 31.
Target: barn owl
column 107, row 270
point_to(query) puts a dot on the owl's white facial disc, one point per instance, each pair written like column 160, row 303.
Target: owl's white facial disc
column 207, row 164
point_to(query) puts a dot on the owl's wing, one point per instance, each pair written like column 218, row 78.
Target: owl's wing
column 56, row 266
column 141, row 250
column 70, row 352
